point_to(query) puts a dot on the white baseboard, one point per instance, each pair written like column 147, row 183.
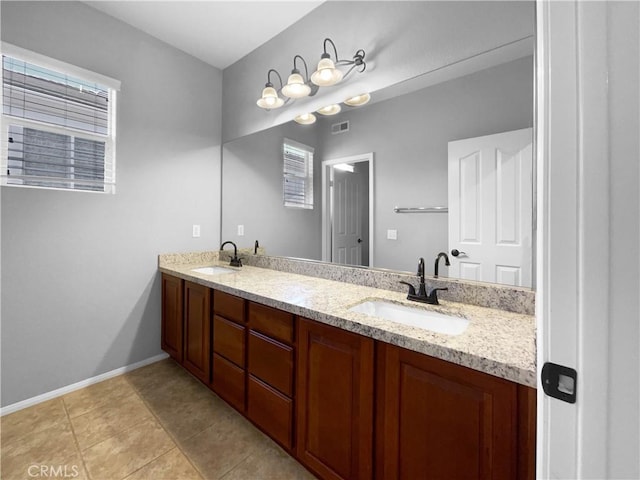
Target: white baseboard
column 78, row 385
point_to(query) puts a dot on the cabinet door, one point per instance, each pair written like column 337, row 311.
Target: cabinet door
column 439, row 420
column 335, row 401
column 171, row 336
column 197, row 330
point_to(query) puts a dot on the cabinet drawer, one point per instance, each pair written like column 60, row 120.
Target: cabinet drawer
column 228, row 381
column 271, row 362
column 272, row 322
column 228, row 306
column 228, row 340
column 271, row 410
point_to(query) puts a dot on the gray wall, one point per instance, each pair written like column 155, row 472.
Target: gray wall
column 401, row 40
column 252, row 195
column 81, row 292
column 623, row 442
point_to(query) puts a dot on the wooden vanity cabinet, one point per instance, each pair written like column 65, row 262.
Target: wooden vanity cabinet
column 197, row 330
column 311, row 388
column 229, row 349
column 270, row 366
column 171, row 330
column 437, row 420
column 335, row 387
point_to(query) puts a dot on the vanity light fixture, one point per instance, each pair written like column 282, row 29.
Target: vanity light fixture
column 329, row 109
column 305, row 119
column 309, row 118
column 358, row 100
column 327, row 74
column 297, row 86
column 270, row 98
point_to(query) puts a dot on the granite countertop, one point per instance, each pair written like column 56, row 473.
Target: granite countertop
column 496, row 342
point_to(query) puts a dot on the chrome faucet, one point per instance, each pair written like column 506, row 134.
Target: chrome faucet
column 235, row 261
column 422, row 296
column 446, row 262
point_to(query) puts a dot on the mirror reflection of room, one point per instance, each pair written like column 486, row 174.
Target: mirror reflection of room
column 408, row 136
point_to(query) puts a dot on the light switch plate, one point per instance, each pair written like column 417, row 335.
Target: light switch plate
column 392, row 234
column 240, row 230
column 196, row 231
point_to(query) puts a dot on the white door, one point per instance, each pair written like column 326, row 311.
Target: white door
column 490, row 207
column 347, row 191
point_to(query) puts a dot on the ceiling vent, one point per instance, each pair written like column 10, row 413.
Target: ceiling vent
column 341, row 127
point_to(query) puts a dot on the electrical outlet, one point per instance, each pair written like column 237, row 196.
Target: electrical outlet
column 196, row 231
column 241, row 230
column 392, row 234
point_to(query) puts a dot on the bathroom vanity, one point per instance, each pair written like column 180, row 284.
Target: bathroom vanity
column 351, row 395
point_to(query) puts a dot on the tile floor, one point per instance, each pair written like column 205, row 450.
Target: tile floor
column 155, row 423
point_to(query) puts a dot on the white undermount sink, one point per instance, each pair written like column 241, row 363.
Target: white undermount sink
column 412, row 316
column 212, row 270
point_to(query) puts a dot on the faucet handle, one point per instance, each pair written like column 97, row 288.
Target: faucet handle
column 433, row 296
column 412, row 289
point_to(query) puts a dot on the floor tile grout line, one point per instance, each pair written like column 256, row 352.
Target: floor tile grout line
column 153, row 417
column 30, row 432
column 86, row 388
column 129, row 428
column 173, row 439
column 175, row 447
column 75, row 439
column 235, row 466
column 124, row 430
column 133, row 393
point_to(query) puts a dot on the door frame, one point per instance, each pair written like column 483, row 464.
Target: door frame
column 572, row 286
column 327, row 206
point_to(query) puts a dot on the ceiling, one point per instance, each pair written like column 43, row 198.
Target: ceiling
column 217, row 32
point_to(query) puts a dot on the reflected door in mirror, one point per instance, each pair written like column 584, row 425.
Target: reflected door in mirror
column 347, row 189
column 490, row 207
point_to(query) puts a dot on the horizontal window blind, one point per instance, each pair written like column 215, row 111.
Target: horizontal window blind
column 297, row 175
column 43, row 95
column 58, row 130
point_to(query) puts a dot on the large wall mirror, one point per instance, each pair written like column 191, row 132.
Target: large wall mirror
column 437, row 163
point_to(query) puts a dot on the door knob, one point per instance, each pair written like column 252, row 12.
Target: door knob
column 359, row 240
column 455, row 252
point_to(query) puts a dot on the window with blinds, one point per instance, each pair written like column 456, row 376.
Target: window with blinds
column 297, row 174
column 58, row 124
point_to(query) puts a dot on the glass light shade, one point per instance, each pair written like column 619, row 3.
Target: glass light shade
column 358, row 100
column 270, row 99
column 329, row 110
column 306, row 119
column 295, row 87
column 326, row 74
